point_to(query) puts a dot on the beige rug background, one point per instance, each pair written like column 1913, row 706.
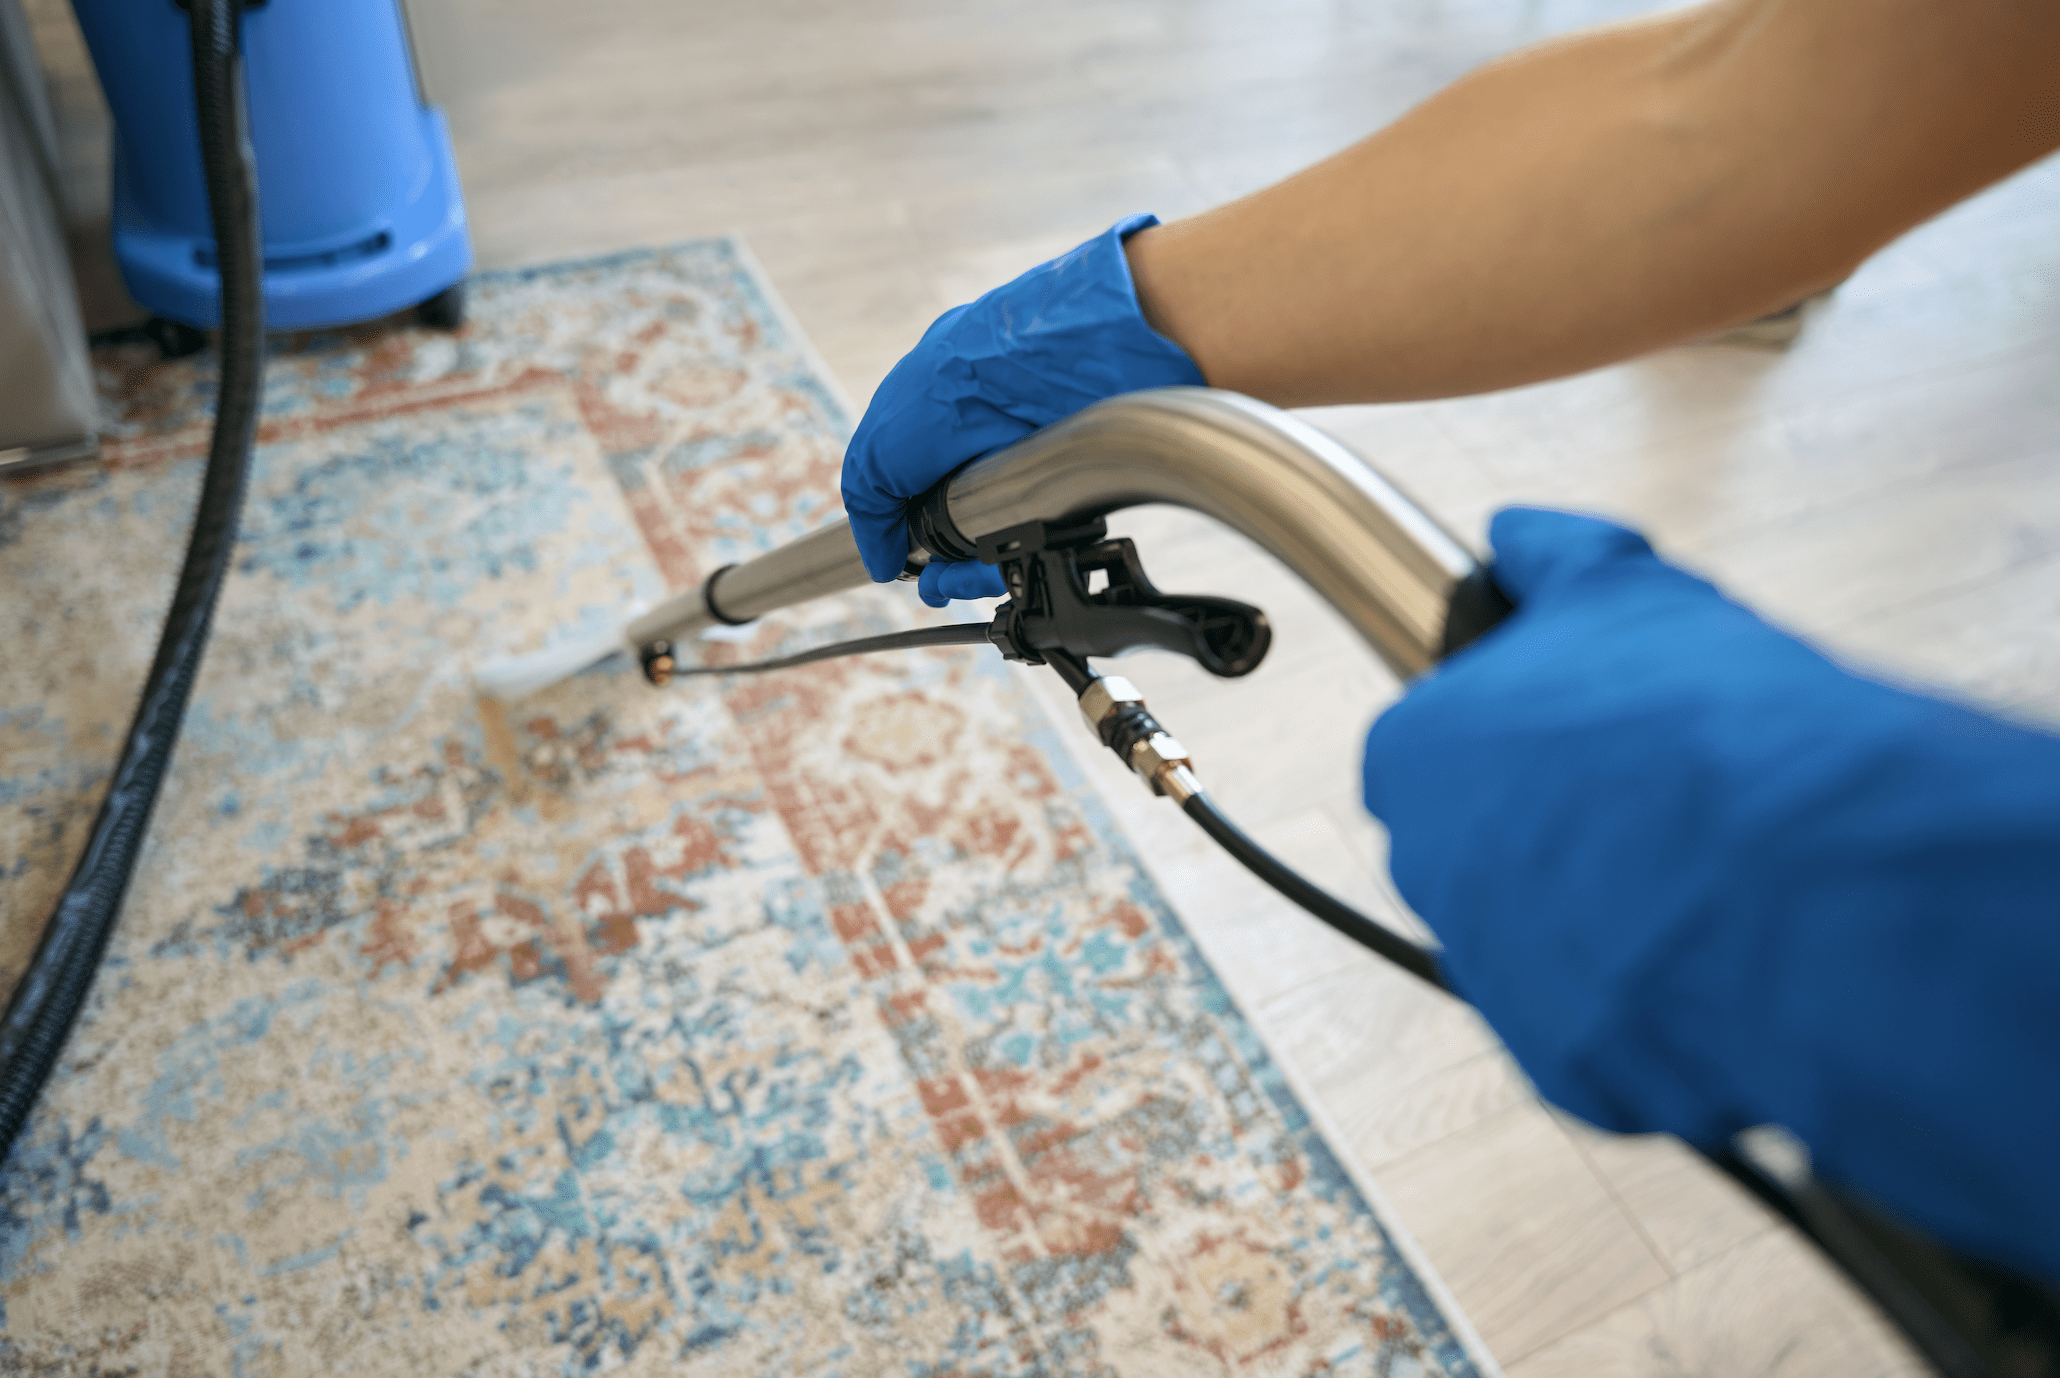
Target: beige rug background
column 819, row 1023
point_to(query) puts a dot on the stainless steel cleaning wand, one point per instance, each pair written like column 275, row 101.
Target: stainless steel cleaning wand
column 1372, row 553
column 1411, row 590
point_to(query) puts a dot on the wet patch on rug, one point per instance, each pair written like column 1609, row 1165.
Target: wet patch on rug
column 813, row 1024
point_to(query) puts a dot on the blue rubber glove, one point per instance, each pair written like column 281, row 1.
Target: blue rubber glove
column 1700, row 878
column 1062, row 336
column 943, row 580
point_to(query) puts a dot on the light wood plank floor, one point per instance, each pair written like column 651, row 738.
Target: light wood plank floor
column 1887, row 485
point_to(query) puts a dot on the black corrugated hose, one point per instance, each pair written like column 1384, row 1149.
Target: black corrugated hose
column 40, row 1014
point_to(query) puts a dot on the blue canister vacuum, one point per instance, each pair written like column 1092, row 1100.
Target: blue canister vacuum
column 362, row 215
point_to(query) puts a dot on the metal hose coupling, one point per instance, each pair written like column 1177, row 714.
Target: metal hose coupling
column 1115, row 712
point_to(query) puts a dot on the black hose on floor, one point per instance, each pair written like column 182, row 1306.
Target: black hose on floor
column 1915, row 1294
column 1417, row 961
column 46, row 1002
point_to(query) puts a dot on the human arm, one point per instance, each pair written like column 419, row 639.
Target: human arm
column 1590, row 198
column 1698, row 878
column 1575, row 203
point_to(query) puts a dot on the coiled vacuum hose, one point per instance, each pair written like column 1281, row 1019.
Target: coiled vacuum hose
column 40, row 1014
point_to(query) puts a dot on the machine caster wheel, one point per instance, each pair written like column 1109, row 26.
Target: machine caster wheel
column 445, row 310
column 174, row 339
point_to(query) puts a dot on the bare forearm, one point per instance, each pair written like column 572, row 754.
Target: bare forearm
column 1592, row 198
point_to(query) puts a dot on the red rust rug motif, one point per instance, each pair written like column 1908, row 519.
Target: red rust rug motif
column 813, row 1024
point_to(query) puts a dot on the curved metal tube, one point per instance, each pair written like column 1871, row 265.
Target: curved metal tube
column 1317, row 507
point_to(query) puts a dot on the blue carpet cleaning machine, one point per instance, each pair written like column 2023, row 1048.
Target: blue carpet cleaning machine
column 362, row 214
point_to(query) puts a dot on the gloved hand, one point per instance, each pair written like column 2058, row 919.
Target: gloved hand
column 1063, row 335
column 1699, row 878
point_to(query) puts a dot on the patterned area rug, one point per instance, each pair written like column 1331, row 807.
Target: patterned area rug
column 818, row 1023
